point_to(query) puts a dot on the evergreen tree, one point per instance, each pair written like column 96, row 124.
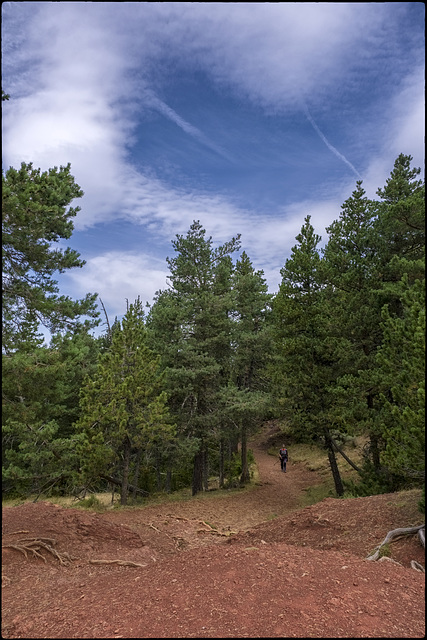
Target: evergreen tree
column 306, row 364
column 401, row 380
column 124, row 408
column 191, row 328
column 351, row 272
column 369, row 249
column 400, row 223
column 35, row 216
column 251, row 340
column 40, row 393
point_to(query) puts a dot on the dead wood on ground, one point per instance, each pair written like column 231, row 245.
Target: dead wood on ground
column 34, row 546
column 396, row 534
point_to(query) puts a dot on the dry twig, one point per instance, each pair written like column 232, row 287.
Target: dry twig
column 122, row 563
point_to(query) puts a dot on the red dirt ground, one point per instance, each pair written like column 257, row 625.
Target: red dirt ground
column 249, row 564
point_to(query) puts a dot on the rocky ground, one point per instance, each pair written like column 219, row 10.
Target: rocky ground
column 245, row 564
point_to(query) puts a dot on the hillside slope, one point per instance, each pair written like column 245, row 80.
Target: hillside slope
column 248, row 564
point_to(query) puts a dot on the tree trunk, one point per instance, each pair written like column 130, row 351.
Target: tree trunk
column 221, row 464
column 198, row 473
column 158, row 476
column 118, row 483
column 375, row 452
column 205, row 470
column 352, row 464
column 333, row 464
column 136, row 474
column 125, row 477
column 244, row 478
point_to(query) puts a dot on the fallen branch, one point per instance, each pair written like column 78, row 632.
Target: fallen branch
column 394, row 535
column 352, row 464
column 216, row 533
column 51, row 484
column 122, row 563
column 156, row 529
column 36, row 545
column 118, row 483
column 205, row 524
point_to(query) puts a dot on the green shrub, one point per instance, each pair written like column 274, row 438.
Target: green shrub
column 91, row 503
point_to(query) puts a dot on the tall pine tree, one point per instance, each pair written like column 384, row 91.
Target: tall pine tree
column 124, row 407
column 251, row 341
column 35, row 216
column 191, row 328
column 305, row 365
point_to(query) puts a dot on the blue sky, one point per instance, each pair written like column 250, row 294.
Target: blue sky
column 245, row 116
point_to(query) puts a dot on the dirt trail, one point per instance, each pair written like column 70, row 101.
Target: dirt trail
column 274, row 494
column 161, row 572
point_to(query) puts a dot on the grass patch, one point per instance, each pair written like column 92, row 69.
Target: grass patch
column 315, row 458
column 319, row 492
column 92, row 502
column 385, row 551
column 102, row 501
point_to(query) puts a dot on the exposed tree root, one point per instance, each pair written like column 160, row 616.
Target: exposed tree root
column 122, row 563
column 396, row 534
column 170, row 515
column 14, row 533
column 205, row 524
column 36, row 545
column 213, row 531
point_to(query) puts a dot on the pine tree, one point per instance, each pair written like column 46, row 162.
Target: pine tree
column 35, row 216
column 351, row 272
column 400, row 221
column 248, row 402
column 124, row 407
column 370, row 247
column 401, row 380
column 191, row 327
column 40, row 403
column 306, row 365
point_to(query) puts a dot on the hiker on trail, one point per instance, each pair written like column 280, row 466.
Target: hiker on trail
column 283, row 455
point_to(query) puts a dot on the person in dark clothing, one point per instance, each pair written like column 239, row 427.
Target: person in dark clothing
column 283, row 455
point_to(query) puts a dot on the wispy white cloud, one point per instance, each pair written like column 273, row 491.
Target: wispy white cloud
column 118, row 276
column 407, row 119
column 268, row 239
column 84, row 75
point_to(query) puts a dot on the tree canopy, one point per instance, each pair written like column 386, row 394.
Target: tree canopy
column 124, row 411
column 168, row 399
column 35, row 216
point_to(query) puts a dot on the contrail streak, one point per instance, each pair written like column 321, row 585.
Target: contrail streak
column 167, row 111
column 328, row 144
